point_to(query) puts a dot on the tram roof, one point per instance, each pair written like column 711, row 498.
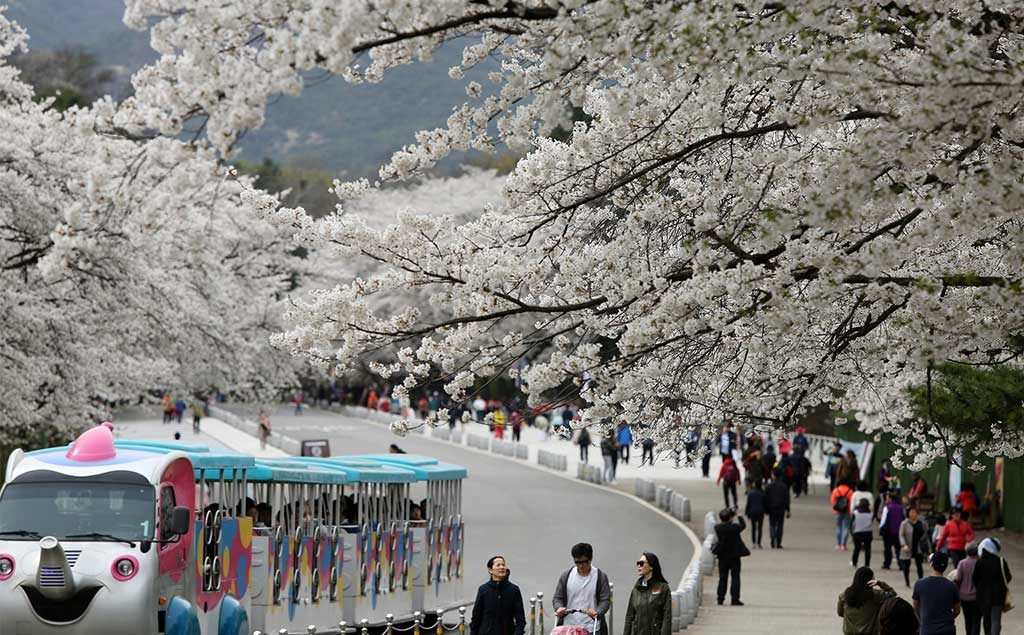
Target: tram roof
column 360, row 469
column 427, row 468
column 199, row 455
column 265, row 471
column 143, row 444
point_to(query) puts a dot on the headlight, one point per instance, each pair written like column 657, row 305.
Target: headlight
column 6, row 567
column 124, row 568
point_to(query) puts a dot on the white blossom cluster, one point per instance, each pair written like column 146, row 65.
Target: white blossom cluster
column 126, row 266
column 767, row 205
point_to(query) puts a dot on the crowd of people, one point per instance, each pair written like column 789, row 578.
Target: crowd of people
column 174, row 409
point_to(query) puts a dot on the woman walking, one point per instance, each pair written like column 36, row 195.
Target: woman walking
column 650, row 604
column 913, row 544
column 964, row 579
column 863, row 522
column 860, row 603
column 991, row 580
column 498, row 608
column 955, row 535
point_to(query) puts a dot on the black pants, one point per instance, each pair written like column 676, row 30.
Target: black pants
column 584, row 453
column 515, row 433
column 726, row 489
column 705, row 465
column 725, row 569
column 647, row 455
column 905, row 565
column 775, row 522
column 991, row 618
column 615, row 463
column 862, row 542
column 972, row 618
column 955, row 556
column 890, row 548
column 624, row 452
column 756, row 528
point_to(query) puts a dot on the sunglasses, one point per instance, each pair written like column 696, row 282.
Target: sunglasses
column 641, row 563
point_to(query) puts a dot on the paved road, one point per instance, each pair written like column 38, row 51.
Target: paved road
column 530, row 516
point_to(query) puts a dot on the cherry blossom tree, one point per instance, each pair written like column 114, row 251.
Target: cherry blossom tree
column 766, row 206
column 127, row 265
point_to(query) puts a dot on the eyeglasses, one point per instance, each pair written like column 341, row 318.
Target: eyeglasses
column 587, row 561
column 641, row 563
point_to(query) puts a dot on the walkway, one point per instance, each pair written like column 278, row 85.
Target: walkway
column 794, row 590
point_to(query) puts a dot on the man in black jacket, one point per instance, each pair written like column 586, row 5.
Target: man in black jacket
column 498, row 608
column 776, row 503
column 730, row 549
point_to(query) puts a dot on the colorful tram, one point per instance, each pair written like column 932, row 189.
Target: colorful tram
column 110, row 537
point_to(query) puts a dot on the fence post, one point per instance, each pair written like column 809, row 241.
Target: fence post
column 540, row 611
column 283, row 631
column 342, row 627
column 533, row 615
column 365, row 623
column 389, row 621
column 462, row 620
column 311, row 629
column 439, row 626
column 611, row 609
column 416, row 617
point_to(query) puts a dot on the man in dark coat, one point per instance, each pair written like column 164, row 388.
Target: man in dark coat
column 776, row 503
column 729, row 550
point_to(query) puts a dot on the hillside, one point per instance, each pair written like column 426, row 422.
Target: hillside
column 345, row 129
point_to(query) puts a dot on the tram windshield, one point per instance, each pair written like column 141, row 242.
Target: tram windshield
column 93, row 511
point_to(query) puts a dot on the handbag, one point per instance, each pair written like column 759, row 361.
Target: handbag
column 1007, row 604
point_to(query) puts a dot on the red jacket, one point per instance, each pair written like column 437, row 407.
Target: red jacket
column 842, row 490
column 725, row 468
column 955, row 535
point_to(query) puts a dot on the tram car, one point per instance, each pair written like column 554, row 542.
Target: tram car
column 110, row 536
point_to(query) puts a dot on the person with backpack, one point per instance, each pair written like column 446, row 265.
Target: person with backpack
column 584, row 587
column 755, row 512
column 729, row 549
column 893, row 515
column 841, row 498
column 728, row 477
column 991, row 579
column 625, row 439
column 914, row 544
column 897, row 617
column 776, row 503
column 859, row 604
column 955, row 536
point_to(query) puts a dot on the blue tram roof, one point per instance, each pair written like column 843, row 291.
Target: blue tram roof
column 266, row 470
column 426, row 468
column 142, row 444
column 361, row 470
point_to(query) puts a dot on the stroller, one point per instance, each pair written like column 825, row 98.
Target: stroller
column 576, row 629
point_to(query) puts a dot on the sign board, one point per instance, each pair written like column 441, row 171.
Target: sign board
column 318, row 448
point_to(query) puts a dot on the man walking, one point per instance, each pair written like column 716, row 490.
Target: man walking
column 776, row 503
column 937, row 600
column 729, row 550
column 584, row 588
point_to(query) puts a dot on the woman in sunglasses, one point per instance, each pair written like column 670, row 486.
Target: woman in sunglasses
column 650, row 604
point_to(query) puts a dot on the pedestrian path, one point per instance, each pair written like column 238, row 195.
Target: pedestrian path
column 794, row 589
column 143, row 423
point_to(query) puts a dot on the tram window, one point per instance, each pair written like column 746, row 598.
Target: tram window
column 167, row 503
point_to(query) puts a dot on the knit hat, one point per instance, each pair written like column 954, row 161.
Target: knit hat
column 990, row 545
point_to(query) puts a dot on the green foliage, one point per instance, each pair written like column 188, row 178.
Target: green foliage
column 969, row 400
column 72, row 76
column 304, row 187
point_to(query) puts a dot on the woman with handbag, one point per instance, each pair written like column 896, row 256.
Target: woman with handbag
column 914, row 544
column 991, row 579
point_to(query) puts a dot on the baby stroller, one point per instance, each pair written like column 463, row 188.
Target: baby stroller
column 576, row 629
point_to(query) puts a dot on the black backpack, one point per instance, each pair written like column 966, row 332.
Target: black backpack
column 842, row 505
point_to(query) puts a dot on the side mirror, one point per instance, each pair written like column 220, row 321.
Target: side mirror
column 180, row 521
